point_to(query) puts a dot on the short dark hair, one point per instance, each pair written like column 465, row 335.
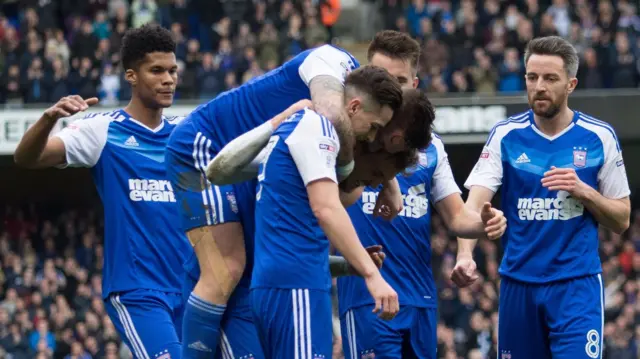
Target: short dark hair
column 416, row 117
column 139, row 42
column 554, row 46
column 377, row 83
column 396, row 45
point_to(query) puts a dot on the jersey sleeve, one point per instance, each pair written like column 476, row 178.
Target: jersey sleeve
column 326, row 60
column 488, row 170
column 612, row 177
column 84, row 141
column 314, row 147
column 443, row 183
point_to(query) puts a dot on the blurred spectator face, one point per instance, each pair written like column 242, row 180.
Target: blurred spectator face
column 249, row 53
column 86, row 64
column 426, row 27
column 4, row 317
column 193, row 46
column 295, row 22
column 230, row 80
column 622, row 42
column 104, row 45
column 36, row 299
column 548, row 84
column 43, row 327
column 101, row 17
column 121, row 28
column 81, row 330
column 245, row 30
column 207, row 60
column 76, row 349
column 225, row 46
column 87, row 28
column 176, row 28
column 111, row 349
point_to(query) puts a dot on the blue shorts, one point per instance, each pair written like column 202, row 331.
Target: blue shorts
column 149, row 322
column 559, row 320
column 189, row 151
column 411, row 334
column 238, row 334
column 294, row 323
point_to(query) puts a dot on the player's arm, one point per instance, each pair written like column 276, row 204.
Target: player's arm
column 339, row 267
column 483, row 183
column 315, row 156
column 609, row 204
column 349, row 198
column 324, row 71
column 240, row 159
column 36, row 149
column 327, row 94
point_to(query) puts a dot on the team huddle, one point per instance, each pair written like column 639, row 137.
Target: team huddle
column 219, row 225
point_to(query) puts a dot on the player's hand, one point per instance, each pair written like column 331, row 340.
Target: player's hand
column 464, row 273
column 385, row 297
column 279, row 118
column 377, row 256
column 389, row 201
column 565, row 179
column 495, row 223
column 69, row 106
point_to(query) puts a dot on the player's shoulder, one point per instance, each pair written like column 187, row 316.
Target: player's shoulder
column 97, row 120
column 602, row 129
column 334, row 54
column 436, row 143
column 308, row 123
column 514, row 123
column 174, row 120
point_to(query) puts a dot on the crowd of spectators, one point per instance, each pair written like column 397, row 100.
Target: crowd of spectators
column 50, row 293
column 50, row 48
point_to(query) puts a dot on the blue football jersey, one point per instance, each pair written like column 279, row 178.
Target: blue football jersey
column 291, row 250
column 239, row 110
column 550, row 236
column 144, row 246
column 407, row 239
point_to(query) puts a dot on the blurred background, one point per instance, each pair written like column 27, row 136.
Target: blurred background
column 51, row 225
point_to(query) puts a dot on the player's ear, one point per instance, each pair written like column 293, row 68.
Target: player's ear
column 131, row 77
column 415, row 82
column 573, row 82
column 354, row 105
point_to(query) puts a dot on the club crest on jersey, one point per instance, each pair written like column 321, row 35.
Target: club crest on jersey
column 368, row 354
column 505, row 354
column 579, row 156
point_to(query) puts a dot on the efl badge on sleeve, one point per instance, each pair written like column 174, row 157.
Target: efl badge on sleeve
column 579, row 157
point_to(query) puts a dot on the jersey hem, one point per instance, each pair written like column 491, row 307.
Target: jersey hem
column 289, row 287
column 106, row 294
column 342, row 311
column 534, row 280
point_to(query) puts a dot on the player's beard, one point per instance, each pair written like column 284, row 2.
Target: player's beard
column 549, row 112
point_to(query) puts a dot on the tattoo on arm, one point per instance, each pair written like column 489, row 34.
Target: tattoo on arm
column 327, row 95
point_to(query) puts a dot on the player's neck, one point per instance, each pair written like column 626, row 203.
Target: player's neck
column 555, row 125
column 150, row 117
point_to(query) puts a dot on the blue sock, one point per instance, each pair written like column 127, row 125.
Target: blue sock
column 201, row 328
